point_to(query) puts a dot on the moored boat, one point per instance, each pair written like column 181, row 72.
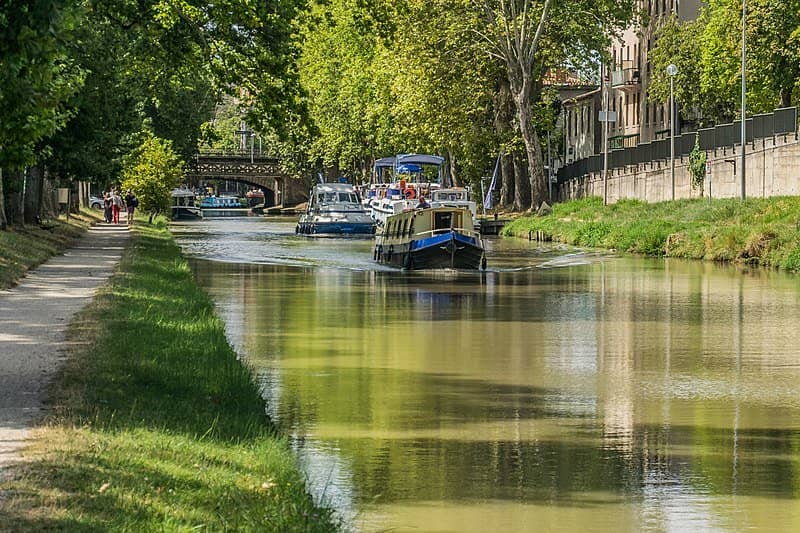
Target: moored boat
column 223, row 206
column 430, row 238
column 183, row 205
column 335, row 209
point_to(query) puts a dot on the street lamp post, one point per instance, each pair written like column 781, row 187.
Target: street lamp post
column 744, row 93
column 671, row 71
column 607, row 87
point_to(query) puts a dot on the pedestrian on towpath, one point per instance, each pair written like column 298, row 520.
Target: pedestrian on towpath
column 107, row 215
column 116, row 205
column 131, row 203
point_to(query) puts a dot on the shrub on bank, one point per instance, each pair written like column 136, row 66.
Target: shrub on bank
column 762, row 231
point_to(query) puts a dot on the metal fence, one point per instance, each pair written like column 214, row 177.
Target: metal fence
column 780, row 121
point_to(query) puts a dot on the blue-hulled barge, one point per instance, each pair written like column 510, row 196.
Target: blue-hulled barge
column 430, row 238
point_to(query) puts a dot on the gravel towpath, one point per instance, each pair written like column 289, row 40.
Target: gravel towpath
column 33, row 320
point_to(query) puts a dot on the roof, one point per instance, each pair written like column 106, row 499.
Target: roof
column 583, row 96
column 333, row 187
column 182, row 192
column 565, row 77
column 420, row 159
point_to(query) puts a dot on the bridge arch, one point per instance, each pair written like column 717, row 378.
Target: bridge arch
column 255, row 170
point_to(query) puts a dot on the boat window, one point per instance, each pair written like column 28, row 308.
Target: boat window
column 397, row 229
column 347, row 197
column 405, row 227
column 443, row 220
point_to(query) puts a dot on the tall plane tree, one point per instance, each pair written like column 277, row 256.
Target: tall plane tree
column 528, row 37
column 36, row 77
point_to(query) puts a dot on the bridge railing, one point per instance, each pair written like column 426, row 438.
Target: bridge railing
column 232, row 153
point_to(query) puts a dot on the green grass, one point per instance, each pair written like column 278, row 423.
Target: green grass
column 23, row 248
column 157, row 426
column 758, row 231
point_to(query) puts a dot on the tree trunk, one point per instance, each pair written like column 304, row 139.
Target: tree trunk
column 12, row 192
column 522, row 196
column 507, row 174
column 454, row 179
column 49, row 203
column 503, row 113
column 786, row 97
column 3, row 220
column 520, row 49
column 33, row 194
column 533, row 149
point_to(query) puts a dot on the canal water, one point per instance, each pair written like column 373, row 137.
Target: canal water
column 561, row 390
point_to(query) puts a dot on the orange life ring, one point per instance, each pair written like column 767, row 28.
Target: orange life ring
column 410, row 193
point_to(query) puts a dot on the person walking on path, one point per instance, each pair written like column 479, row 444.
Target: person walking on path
column 107, row 203
column 116, row 205
column 131, row 203
column 33, row 320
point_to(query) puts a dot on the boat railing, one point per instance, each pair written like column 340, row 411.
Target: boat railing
column 471, row 232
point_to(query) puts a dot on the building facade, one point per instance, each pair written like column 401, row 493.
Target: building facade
column 626, row 81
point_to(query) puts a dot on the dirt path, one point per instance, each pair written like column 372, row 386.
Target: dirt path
column 33, row 321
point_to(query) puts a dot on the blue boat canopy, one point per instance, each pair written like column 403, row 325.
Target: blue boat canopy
column 420, row 159
column 409, row 168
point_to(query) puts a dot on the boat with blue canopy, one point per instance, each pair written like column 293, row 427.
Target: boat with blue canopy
column 412, row 176
column 415, row 234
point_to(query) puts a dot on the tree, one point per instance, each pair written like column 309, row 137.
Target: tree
column 709, row 83
column 143, row 67
column 516, row 33
column 339, row 71
column 774, row 43
column 442, row 86
column 697, row 165
column 676, row 43
column 151, row 172
column 527, row 37
column 36, row 77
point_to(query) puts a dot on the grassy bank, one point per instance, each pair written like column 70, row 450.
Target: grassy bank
column 156, row 425
column 23, row 248
column 758, row 231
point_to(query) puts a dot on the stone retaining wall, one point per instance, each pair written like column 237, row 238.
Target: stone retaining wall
column 773, row 169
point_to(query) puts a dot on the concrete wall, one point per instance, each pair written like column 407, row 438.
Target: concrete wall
column 773, row 169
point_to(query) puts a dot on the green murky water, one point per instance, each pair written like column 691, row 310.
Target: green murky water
column 559, row 391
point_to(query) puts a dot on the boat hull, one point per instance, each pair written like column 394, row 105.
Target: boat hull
column 447, row 250
column 180, row 212
column 335, row 228
column 226, row 212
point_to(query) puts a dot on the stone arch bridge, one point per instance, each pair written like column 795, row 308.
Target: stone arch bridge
column 256, row 170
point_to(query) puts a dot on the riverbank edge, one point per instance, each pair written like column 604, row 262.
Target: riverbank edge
column 758, row 231
column 23, row 248
column 155, row 423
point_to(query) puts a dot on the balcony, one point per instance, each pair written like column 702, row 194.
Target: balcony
column 626, row 77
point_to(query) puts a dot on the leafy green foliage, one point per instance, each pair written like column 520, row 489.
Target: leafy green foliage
column 36, row 75
column 707, row 53
column 151, row 172
column 697, row 165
